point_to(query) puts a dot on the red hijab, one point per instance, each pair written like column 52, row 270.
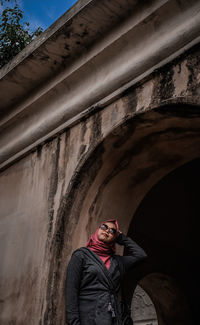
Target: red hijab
column 103, row 250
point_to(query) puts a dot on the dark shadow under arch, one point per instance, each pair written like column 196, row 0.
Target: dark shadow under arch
column 167, row 224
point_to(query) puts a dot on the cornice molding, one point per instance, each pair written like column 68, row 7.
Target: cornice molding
column 40, row 98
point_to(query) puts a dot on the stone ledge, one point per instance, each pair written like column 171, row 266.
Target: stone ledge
column 138, row 40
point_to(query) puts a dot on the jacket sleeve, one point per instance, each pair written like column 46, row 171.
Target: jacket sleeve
column 135, row 252
column 73, row 279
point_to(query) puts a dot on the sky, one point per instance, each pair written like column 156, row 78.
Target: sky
column 43, row 13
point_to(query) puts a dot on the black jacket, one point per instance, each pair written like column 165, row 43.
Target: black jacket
column 91, row 289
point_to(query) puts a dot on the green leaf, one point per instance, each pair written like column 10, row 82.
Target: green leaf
column 14, row 34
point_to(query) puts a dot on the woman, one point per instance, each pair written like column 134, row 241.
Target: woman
column 93, row 277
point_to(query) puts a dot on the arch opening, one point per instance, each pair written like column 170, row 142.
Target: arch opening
column 116, row 178
column 170, row 213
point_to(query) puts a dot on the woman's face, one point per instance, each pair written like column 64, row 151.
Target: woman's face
column 107, row 235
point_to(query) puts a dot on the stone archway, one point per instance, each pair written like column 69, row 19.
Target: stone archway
column 113, row 181
column 170, row 302
column 160, row 301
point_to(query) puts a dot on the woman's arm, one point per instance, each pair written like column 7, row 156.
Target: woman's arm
column 135, row 252
column 73, row 279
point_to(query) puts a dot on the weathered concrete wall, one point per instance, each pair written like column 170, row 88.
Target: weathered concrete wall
column 53, row 198
column 143, row 310
column 27, row 194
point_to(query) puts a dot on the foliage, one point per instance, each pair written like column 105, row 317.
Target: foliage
column 2, row 1
column 15, row 34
